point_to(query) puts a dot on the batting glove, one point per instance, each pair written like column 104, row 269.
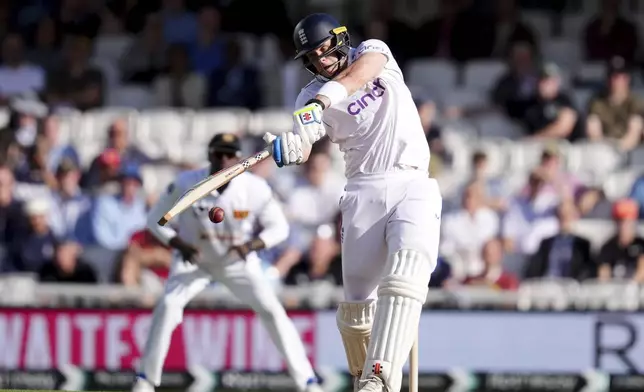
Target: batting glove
column 287, row 149
column 308, row 123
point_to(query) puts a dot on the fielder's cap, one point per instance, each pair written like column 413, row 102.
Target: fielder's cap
column 549, row 70
column 625, row 209
column 225, row 142
column 617, row 65
column 36, row 207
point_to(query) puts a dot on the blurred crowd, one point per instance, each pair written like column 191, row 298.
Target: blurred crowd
column 490, row 86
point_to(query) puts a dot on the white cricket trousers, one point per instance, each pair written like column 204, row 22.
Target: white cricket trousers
column 246, row 281
column 381, row 214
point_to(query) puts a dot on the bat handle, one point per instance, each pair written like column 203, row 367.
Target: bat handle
column 269, row 137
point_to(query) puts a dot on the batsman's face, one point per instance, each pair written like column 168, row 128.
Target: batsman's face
column 325, row 65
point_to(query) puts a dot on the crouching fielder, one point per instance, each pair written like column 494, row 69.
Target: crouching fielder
column 391, row 209
column 225, row 252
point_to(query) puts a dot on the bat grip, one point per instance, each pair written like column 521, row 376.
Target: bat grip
column 269, row 137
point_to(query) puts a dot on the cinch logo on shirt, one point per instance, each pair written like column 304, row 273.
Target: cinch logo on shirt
column 356, row 106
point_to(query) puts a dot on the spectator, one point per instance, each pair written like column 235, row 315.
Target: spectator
column 179, row 24
column 564, row 255
column 6, row 19
column 440, row 155
column 514, row 90
column 530, row 217
column 115, row 218
column 103, row 173
column 76, row 82
column 145, row 264
column 209, row 51
column 311, row 207
column 24, row 121
column 269, row 17
column 315, row 201
column 27, row 13
column 509, row 29
column 236, row 83
column 133, row 13
column 442, row 275
column 111, row 25
column 559, row 183
column 637, row 195
column 609, row 34
column 324, row 257
column 493, row 275
column 283, row 261
column 16, row 75
column 34, row 170
column 144, row 259
column 493, row 189
column 551, row 113
column 180, row 87
column 66, row 267
column 145, row 59
column 30, row 251
column 118, row 139
column 457, row 33
column 76, row 17
column 622, row 256
column 45, row 49
column 281, row 180
column 70, row 205
column 57, row 150
column 617, row 113
column 384, row 25
column 12, row 217
column 593, row 203
column 119, row 151
column 479, row 222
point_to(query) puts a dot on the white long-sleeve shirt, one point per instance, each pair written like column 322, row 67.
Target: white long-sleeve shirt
column 247, row 202
column 378, row 127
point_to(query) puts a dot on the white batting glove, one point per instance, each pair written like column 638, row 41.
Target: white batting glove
column 287, row 149
column 308, row 123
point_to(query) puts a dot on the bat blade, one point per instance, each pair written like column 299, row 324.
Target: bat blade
column 212, row 183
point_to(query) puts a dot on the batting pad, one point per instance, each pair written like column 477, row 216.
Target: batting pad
column 401, row 296
column 354, row 321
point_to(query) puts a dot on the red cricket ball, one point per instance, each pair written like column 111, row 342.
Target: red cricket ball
column 216, row 215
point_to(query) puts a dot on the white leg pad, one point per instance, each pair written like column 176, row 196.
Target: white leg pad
column 354, row 321
column 401, row 296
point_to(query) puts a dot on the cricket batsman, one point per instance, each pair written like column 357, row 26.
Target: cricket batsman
column 391, row 209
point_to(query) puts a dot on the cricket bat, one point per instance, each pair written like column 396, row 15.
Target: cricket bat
column 215, row 181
